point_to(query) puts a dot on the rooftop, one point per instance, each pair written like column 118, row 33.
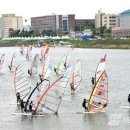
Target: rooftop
column 125, row 13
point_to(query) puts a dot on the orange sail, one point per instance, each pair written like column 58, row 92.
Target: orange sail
column 99, row 96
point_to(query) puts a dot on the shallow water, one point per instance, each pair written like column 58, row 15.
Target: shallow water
column 114, row 117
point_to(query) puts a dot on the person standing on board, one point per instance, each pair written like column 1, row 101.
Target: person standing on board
column 55, row 70
column 22, row 105
column 93, row 80
column 84, row 104
column 72, row 88
column 30, row 106
column 129, row 98
column 18, row 97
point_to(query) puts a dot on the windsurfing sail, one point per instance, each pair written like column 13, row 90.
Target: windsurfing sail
column 46, row 69
column 99, row 96
column 76, row 75
column 13, row 63
column 49, row 100
column 63, row 64
column 34, row 66
column 100, row 68
column 29, row 53
column 22, row 51
column 2, row 61
column 20, row 83
column 44, row 53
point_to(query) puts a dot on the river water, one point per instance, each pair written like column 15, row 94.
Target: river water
column 114, row 118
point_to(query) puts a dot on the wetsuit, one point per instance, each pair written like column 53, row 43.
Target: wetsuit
column 92, row 81
column 30, row 107
column 22, row 106
column 84, row 105
column 129, row 98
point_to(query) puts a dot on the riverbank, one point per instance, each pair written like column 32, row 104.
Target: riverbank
column 103, row 44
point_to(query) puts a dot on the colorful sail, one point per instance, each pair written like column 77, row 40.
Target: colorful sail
column 51, row 98
column 22, row 51
column 46, row 69
column 13, row 63
column 63, row 64
column 100, row 68
column 2, row 61
column 29, row 53
column 20, row 83
column 76, row 75
column 99, row 96
column 34, row 66
column 44, row 53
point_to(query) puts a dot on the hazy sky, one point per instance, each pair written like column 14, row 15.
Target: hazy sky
column 81, row 8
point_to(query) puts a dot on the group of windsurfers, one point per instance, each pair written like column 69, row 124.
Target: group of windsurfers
column 22, row 104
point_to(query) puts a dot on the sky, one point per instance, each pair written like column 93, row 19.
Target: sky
column 83, row 9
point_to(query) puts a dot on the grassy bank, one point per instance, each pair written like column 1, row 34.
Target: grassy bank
column 104, row 44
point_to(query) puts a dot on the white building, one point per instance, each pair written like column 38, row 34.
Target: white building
column 102, row 19
column 9, row 23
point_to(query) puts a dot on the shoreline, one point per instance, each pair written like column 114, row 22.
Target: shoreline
column 100, row 44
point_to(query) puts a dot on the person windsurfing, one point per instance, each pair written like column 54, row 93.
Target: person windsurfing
column 72, row 88
column 129, row 98
column 84, row 105
column 29, row 72
column 18, row 97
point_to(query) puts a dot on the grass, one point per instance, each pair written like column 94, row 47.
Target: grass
column 104, row 44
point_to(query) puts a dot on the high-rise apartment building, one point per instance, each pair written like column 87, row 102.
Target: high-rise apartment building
column 57, row 23
column 10, row 23
column 102, row 19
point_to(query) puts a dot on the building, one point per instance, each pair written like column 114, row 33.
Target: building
column 122, row 29
column 79, row 22
column 10, row 23
column 107, row 20
column 56, row 23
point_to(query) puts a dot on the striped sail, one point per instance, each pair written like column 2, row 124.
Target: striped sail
column 76, row 75
column 100, row 68
column 20, row 83
column 34, row 66
column 50, row 99
column 99, row 96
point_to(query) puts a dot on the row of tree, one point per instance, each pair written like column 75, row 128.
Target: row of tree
column 31, row 33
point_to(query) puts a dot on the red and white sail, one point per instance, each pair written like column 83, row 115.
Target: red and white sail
column 46, row 69
column 44, row 53
column 21, row 84
column 51, row 98
column 100, row 68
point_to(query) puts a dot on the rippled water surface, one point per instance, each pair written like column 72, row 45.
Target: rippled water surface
column 114, row 118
